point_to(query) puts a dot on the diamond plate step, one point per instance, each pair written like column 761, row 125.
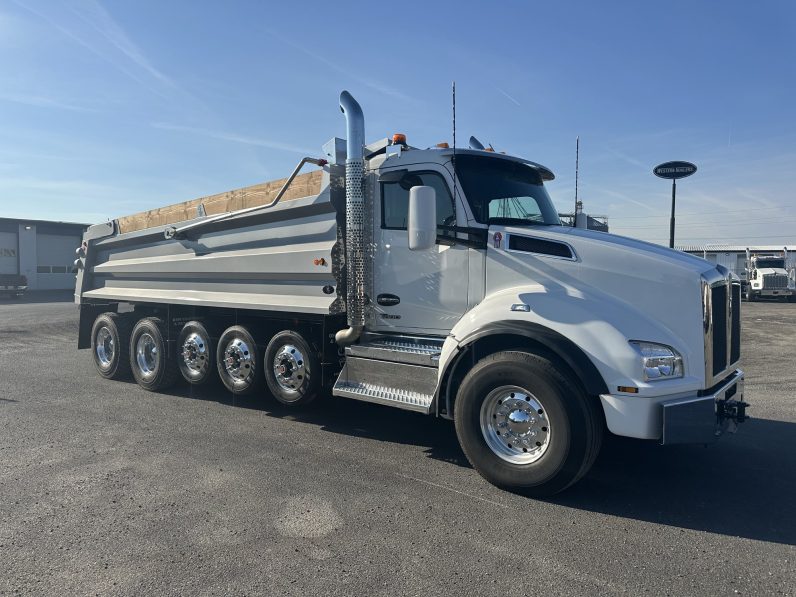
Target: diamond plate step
column 422, row 352
column 383, row 395
column 402, row 385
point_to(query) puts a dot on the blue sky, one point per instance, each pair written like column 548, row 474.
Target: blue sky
column 107, row 108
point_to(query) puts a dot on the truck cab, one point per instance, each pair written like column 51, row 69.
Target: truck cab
column 503, row 268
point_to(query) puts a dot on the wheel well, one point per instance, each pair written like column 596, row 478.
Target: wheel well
column 549, row 344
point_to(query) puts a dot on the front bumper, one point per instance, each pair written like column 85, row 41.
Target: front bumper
column 699, row 418
column 702, row 419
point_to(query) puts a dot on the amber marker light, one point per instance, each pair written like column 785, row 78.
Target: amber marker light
column 628, row 389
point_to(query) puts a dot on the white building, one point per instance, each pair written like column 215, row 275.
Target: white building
column 733, row 257
column 42, row 251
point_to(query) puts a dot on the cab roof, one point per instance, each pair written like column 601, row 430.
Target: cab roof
column 379, row 148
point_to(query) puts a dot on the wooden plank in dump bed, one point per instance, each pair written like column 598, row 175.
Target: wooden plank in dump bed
column 304, row 185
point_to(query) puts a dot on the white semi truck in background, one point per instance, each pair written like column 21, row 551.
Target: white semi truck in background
column 767, row 277
column 436, row 280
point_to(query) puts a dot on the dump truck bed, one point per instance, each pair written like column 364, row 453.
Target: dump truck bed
column 285, row 258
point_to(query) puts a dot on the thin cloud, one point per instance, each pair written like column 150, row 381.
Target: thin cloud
column 234, row 138
column 508, row 96
column 624, row 197
column 371, row 83
column 42, row 102
column 98, row 19
column 75, row 187
column 630, row 160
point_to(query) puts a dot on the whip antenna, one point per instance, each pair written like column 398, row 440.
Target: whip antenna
column 577, row 155
column 453, row 160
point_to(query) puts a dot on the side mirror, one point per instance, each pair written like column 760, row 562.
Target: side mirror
column 422, row 221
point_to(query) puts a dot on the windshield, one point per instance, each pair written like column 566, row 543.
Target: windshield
column 505, row 192
column 770, row 263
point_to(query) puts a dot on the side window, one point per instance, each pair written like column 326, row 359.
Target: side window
column 395, row 199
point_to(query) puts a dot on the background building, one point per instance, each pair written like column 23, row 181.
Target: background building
column 599, row 223
column 42, row 251
column 733, row 257
column 579, row 219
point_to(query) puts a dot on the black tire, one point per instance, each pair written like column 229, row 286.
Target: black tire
column 112, row 352
column 292, row 369
column 196, row 353
column 569, row 423
column 243, row 373
column 750, row 296
column 152, row 366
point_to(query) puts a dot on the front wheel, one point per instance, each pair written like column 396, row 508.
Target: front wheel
column 750, row 296
column 523, row 425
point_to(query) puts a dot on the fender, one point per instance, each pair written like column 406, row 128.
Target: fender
column 544, row 337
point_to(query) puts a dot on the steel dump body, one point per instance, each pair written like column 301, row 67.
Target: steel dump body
column 285, row 259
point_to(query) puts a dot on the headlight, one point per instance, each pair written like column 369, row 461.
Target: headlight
column 658, row 361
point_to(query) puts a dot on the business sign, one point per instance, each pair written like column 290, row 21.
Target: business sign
column 673, row 170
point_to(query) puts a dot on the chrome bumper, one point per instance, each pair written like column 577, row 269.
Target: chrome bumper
column 702, row 419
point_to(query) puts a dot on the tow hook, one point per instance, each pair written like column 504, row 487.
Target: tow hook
column 732, row 410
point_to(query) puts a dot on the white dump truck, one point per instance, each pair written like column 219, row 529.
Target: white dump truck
column 436, row 280
column 767, row 277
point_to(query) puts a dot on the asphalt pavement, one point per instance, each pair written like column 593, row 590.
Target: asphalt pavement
column 108, row 489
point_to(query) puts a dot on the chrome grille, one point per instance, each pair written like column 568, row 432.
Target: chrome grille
column 735, row 324
column 720, row 304
column 722, row 311
column 774, row 281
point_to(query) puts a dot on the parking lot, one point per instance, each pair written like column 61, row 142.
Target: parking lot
column 108, row 489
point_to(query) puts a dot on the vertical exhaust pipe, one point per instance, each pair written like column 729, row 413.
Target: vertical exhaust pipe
column 355, row 220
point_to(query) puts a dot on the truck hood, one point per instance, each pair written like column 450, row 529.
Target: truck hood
column 640, row 290
column 639, row 247
column 767, row 271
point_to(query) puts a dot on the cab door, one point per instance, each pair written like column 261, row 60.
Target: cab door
column 416, row 291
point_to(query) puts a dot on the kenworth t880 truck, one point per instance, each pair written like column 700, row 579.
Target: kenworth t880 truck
column 436, row 280
column 767, row 277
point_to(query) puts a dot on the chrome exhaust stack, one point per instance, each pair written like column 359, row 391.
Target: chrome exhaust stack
column 355, row 220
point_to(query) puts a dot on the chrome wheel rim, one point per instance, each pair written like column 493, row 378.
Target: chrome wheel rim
column 515, row 426
column 146, row 354
column 105, row 347
column 195, row 357
column 290, row 368
column 238, row 361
